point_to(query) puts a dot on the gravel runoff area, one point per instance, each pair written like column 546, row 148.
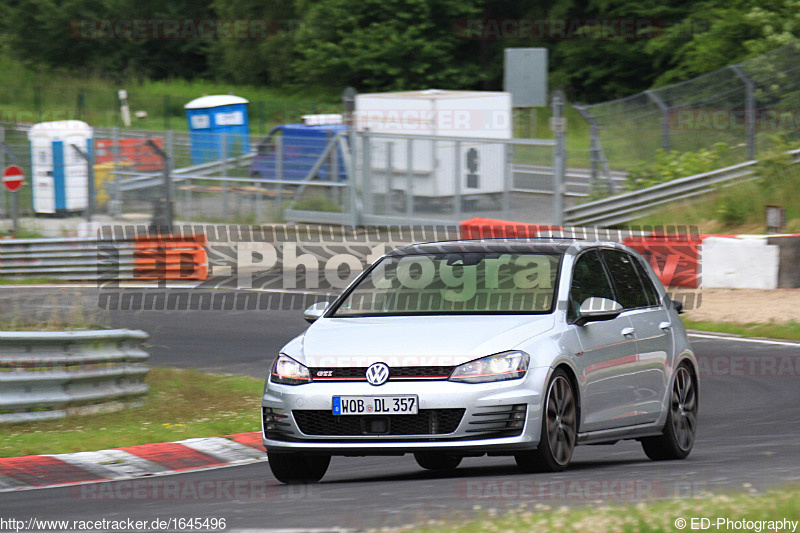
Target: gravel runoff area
column 745, row 306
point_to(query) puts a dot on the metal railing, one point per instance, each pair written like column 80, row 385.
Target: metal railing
column 630, row 206
column 46, row 375
column 97, row 259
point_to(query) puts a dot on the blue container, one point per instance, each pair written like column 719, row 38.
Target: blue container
column 301, row 148
column 211, row 116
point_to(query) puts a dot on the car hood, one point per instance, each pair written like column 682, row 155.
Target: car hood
column 413, row 340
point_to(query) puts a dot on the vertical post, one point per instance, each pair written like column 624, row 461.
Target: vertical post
column 335, row 169
column 167, row 207
column 508, row 157
column 457, row 181
column 115, row 205
column 559, row 158
column 278, row 172
column 387, row 202
column 409, row 197
column 224, row 170
column 749, row 111
column 598, row 160
column 88, row 156
column 3, row 165
column 665, row 141
column 15, row 210
column 166, row 113
column 366, row 185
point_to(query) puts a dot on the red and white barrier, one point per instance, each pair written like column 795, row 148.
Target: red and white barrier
column 679, row 259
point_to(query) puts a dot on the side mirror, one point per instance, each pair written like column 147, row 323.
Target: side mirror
column 315, row 311
column 596, row 309
column 677, row 305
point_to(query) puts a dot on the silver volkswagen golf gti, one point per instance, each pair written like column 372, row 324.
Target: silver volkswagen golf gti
column 465, row 348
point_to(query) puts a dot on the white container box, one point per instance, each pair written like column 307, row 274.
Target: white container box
column 60, row 175
column 441, row 164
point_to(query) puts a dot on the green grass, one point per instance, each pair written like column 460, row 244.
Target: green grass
column 774, row 330
column 181, row 404
column 652, row 517
column 27, row 281
column 31, row 96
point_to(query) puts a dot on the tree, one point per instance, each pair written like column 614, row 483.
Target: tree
column 386, row 44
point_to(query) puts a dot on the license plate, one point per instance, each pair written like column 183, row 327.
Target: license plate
column 375, row 405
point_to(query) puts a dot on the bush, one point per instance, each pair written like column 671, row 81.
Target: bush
column 673, row 165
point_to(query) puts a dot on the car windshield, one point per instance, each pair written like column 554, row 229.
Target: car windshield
column 455, row 283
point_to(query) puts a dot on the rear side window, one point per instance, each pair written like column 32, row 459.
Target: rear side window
column 588, row 279
column 629, row 289
column 649, row 288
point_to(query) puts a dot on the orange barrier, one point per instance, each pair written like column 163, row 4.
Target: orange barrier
column 489, row 228
column 170, row 257
column 135, row 151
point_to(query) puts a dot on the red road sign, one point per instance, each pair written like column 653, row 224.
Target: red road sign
column 13, row 178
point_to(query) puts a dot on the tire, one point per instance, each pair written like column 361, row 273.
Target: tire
column 559, row 429
column 679, row 431
column 291, row 468
column 437, row 460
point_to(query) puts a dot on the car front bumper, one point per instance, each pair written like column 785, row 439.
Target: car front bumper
column 480, row 429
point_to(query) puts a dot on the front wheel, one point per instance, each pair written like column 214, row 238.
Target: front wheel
column 437, row 460
column 559, row 429
column 678, row 438
column 291, row 468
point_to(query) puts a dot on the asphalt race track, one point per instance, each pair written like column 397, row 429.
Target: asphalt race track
column 748, row 439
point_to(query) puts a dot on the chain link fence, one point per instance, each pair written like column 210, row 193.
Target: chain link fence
column 741, row 106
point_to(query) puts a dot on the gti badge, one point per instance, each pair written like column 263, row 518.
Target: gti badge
column 377, row 374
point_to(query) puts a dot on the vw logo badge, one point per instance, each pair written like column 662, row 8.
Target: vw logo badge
column 377, row 374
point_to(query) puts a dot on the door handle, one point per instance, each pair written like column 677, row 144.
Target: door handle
column 665, row 326
column 628, row 332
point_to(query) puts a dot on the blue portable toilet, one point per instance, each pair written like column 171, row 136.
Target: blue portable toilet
column 211, row 116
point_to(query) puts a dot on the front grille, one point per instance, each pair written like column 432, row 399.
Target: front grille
column 498, row 421
column 400, row 373
column 426, row 422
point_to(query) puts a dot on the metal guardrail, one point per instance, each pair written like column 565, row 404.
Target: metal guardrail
column 93, row 259
column 46, row 375
column 630, row 206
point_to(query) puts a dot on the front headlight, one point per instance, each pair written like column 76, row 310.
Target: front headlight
column 289, row 372
column 508, row 365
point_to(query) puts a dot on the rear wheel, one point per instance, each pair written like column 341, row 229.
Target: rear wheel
column 678, row 438
column 559, row 429
column 293, row 468
column 437, row 460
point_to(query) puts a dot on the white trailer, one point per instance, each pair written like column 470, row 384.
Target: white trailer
column 454, row 138
column 59, row 174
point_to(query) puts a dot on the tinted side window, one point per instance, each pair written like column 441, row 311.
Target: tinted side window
column 630, row 293
column 649, row 288
column 588, row 279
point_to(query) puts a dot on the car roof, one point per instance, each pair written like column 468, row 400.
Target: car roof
column 541, row 245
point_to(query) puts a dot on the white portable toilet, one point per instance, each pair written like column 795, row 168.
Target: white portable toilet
column 60, row 175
